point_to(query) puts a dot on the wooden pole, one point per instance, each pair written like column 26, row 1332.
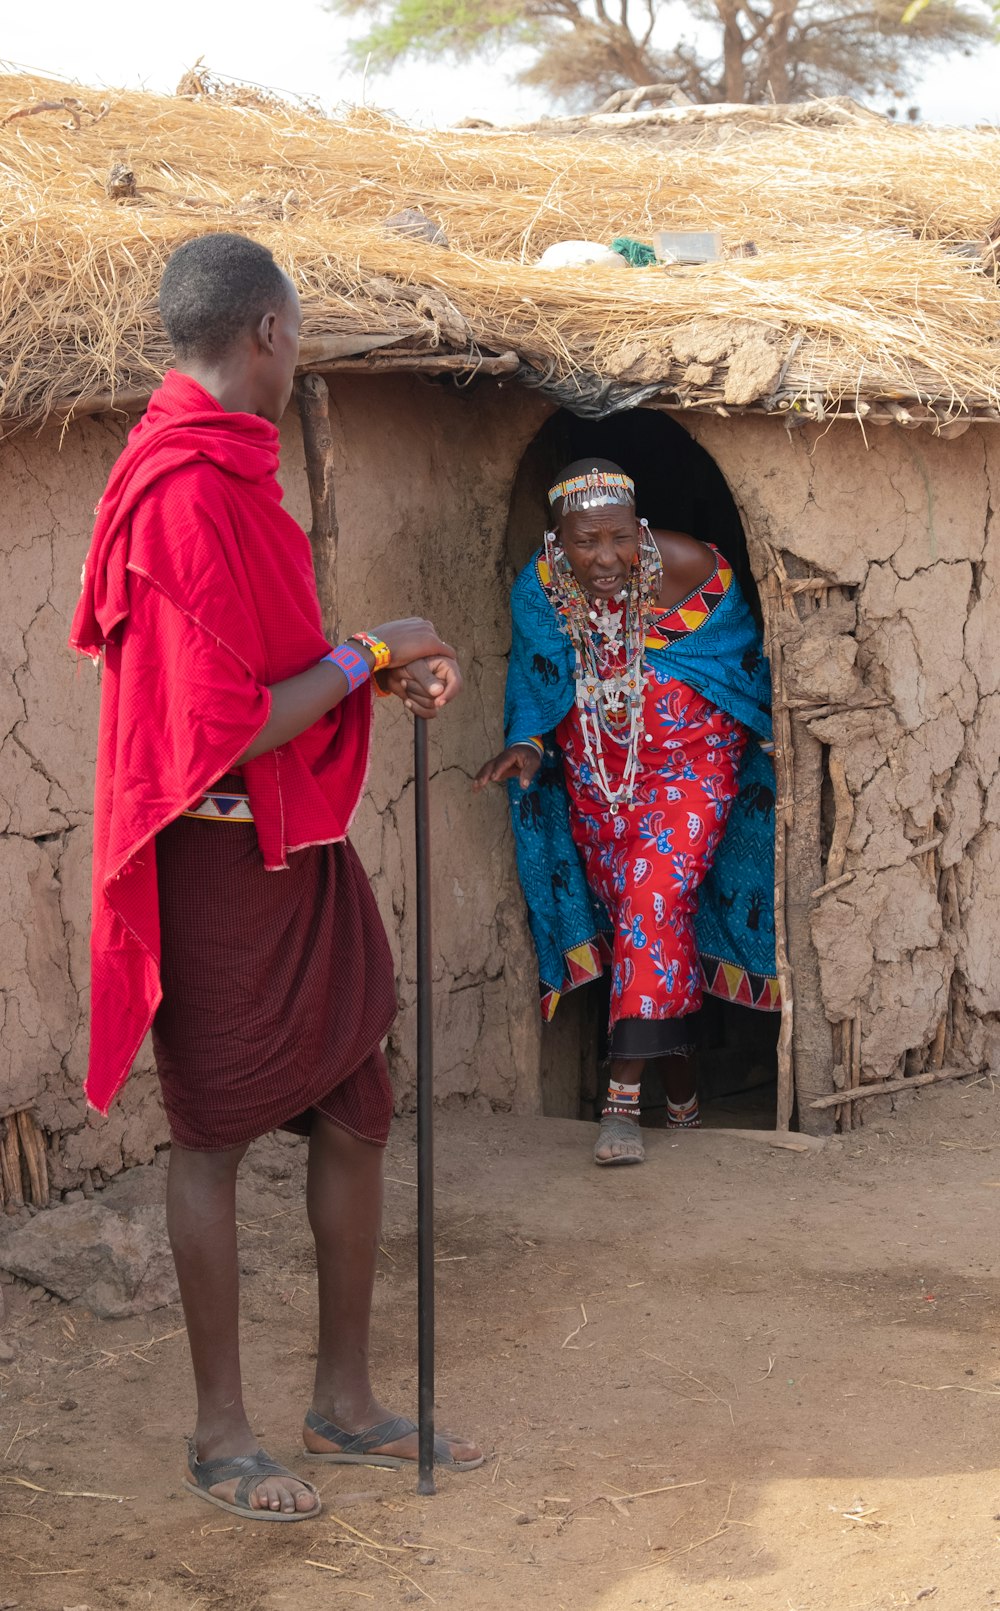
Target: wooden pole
column 812, row 1038
column 812, row 1033
column 888, row 1087
column 425, row 1116
column 313, row 397
column 783, row 808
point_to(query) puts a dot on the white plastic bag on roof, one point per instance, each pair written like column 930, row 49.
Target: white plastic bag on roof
column 579, row 254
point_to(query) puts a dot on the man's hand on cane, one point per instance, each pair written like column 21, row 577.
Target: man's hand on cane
column 425, row 686
column 423, row 671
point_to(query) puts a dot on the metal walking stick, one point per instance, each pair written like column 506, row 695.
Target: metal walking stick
column 425, row 1117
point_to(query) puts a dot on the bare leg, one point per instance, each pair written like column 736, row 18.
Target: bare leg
column 201, row 1223
column 678, row 1078
column 344, row 1197
column 624, row 1071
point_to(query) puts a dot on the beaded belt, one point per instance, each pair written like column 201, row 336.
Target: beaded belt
column 226, row 801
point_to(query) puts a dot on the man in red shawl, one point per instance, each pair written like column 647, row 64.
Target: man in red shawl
column 230, row 913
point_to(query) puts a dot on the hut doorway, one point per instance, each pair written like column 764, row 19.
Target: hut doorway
column 679, row 487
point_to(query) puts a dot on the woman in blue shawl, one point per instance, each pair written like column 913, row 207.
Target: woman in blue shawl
column 637, row 721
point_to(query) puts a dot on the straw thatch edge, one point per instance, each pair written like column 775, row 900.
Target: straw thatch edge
column 862, row 302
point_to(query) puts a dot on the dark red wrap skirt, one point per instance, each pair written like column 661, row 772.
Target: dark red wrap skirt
column 278, row 989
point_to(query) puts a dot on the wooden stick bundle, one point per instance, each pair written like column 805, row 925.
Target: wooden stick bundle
column 33, row 1152
column 23, row 1158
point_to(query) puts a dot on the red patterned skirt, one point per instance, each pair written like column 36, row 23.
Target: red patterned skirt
column 278, row 989
column 646, row 864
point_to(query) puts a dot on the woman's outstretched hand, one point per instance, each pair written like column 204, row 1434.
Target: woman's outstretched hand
column 425, row 685
column 517, row 760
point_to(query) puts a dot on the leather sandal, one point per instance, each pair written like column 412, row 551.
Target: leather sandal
column 251, row 1470
column 363, row 1448
column 624, row 1130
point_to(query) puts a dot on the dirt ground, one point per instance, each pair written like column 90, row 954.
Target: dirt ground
column 736, row 1378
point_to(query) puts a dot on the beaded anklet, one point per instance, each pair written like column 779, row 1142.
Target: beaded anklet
column 684, row 1115
column 622, row 1101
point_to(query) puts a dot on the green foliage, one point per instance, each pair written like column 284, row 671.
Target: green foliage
column 586, row 50
column 429, row 28
column 915, row 7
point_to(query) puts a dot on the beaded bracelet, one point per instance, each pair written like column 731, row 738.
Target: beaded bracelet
column 381, row 651
column 353, row 665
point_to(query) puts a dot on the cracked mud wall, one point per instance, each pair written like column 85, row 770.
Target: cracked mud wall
column 423, row 482
column 423, row 491
column 894, row 669
column 48, row 727
column 896, row 676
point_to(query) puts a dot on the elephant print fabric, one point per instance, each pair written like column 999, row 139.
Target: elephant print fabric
column 647, row 864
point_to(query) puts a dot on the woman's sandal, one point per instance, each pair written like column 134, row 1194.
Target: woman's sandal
column 359, row 1448
column 624, row 1130
column 251, row 1469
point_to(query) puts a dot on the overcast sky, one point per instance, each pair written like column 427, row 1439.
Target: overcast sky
column 297, row 45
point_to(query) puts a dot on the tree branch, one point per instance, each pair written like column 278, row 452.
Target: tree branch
column 591, row 48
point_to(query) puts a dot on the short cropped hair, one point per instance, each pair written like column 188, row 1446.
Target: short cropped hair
column 215, row 288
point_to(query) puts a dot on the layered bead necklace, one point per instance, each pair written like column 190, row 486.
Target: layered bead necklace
column 608, row 645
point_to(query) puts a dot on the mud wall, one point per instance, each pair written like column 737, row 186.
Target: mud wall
column 893, row 670
column 424, row 475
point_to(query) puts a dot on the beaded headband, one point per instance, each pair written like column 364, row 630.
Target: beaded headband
column 592, row 490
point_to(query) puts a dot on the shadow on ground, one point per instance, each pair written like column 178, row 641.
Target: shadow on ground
column 736, row 1378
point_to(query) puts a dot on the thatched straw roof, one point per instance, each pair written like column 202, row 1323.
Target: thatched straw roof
column 859, row 293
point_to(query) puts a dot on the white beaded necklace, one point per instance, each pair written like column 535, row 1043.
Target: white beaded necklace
column 608, row 647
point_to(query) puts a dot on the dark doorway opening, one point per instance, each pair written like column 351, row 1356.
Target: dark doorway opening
column 680, row 487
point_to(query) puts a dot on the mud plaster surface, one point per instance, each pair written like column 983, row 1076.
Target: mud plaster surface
column 423, row 487
column 909, row 529
column 794, row 1363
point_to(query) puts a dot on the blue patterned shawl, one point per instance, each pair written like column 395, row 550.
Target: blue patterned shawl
column 722, row 660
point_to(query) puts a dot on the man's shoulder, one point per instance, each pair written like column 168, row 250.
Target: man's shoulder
column 190, row 476
column 194, row 492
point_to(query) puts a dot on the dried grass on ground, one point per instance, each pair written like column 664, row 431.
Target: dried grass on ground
column 854, row 291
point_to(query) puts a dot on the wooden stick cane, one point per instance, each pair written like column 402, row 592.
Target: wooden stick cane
column 425, row 1117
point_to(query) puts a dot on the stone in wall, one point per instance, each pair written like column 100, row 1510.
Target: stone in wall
column 820, row 655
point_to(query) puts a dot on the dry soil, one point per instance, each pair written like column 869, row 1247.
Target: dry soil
column 736, row 1378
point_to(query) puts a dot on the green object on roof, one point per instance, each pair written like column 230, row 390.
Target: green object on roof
column 635, row 252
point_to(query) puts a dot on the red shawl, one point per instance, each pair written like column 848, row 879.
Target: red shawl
column 199, row 592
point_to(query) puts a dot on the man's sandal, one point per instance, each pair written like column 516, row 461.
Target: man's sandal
column 624, row 1131
column 252, row 1470
column 361, row 1448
